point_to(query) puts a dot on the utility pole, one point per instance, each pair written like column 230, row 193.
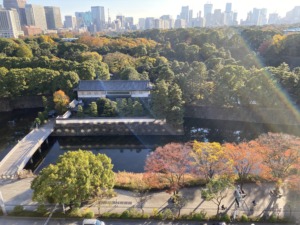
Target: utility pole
column 2, row 204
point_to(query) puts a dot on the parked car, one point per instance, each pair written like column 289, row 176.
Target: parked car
column 92, row 222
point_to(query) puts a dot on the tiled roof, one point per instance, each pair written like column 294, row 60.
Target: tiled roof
column 113, row 85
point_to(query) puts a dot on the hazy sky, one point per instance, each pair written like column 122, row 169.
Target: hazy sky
column 156, row 8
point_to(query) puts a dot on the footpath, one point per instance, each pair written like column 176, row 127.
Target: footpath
column 18, row 192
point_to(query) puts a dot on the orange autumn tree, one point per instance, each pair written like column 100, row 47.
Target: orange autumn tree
column 209, row 159
column 170, row 163
column 280, row 155
column 245, row 158
column 61, row 100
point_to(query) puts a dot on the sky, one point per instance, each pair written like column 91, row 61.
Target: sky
column 156, row 8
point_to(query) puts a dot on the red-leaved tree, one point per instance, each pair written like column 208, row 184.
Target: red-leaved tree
column 245, row 158
column 280, row 155
column 170, row 163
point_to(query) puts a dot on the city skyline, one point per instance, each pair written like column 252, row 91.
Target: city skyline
column 157, row 8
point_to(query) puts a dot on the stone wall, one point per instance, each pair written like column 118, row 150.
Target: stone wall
column 24, row 102
column 99, row 127
column 245, row 114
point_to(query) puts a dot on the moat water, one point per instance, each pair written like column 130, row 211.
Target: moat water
column 128, row 153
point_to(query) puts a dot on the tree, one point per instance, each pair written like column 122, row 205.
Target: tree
column 93, row 109
column 245, row 158
column 209, row 159
column 80, row 111
column 175, row 112
column 106, row 107
column 61, row 101
column 129, row 73
column 171, row 162
column 24, row 52
column 159, row 100
column 76, row 177
column 280, row 154
column 216, row 190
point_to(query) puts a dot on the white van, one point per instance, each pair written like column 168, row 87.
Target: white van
column 92, row 222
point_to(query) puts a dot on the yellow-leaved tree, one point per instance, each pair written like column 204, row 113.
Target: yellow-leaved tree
column 209, row 159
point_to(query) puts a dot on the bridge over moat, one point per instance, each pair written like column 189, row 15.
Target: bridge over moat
column 15, row 161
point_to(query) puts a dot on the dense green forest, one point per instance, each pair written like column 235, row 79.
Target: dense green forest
column 221, row 66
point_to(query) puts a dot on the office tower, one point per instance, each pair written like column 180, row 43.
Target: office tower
column 185, row 14
column 20, row 6
column 35, row 16
column 84, row 19
column 228, row 7
column 228, row 15
column 293, row 16
column 180, row 23
column 10, row 26
column 142, row 22
column 53, row 17
column 149, row 23
column 70, row 22
column 259, row 17
column 274, row 18
column 208, row 16
column 98, row 17
column 168, row 21
column 121, row 19
column 208, row 9
column 128, row 23
column 218, row 17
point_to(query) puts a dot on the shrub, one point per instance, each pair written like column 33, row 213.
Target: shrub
column 167, row 214
column 244, row 218
column 18, row 209
column 75, row 213
column 226, row 218
column 87, row 213
column 199, row 216
column 41, row 209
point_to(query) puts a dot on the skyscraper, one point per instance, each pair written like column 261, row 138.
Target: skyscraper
column 53, row 17
column 185, row 14
column 208, row 9
column 228, row 7
column 19, row 5
column 98, row 17
column 83, row 19
column 35, row 16
column 70, row 22
column 10, row 26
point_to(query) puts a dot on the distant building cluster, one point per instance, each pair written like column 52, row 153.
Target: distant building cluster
column 19, row 18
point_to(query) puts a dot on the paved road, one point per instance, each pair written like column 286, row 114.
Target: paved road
column 39, row 221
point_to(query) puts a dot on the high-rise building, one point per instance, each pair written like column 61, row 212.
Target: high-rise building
column 228, row 7
column 35, row 16
column 121, row 18
column 208, row 9
column 142, row 23
column 10, row 26
column 208, row 16
column 185, row 14
column 98, row 17
column 149, row 23
column 70, row 22
column 83, row 19
column 53, row 17
column 19, row 5
column 293, row 16
column 128, row 23
column 274, row 18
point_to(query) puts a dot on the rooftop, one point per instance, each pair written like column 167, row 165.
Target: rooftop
column 113, row 85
